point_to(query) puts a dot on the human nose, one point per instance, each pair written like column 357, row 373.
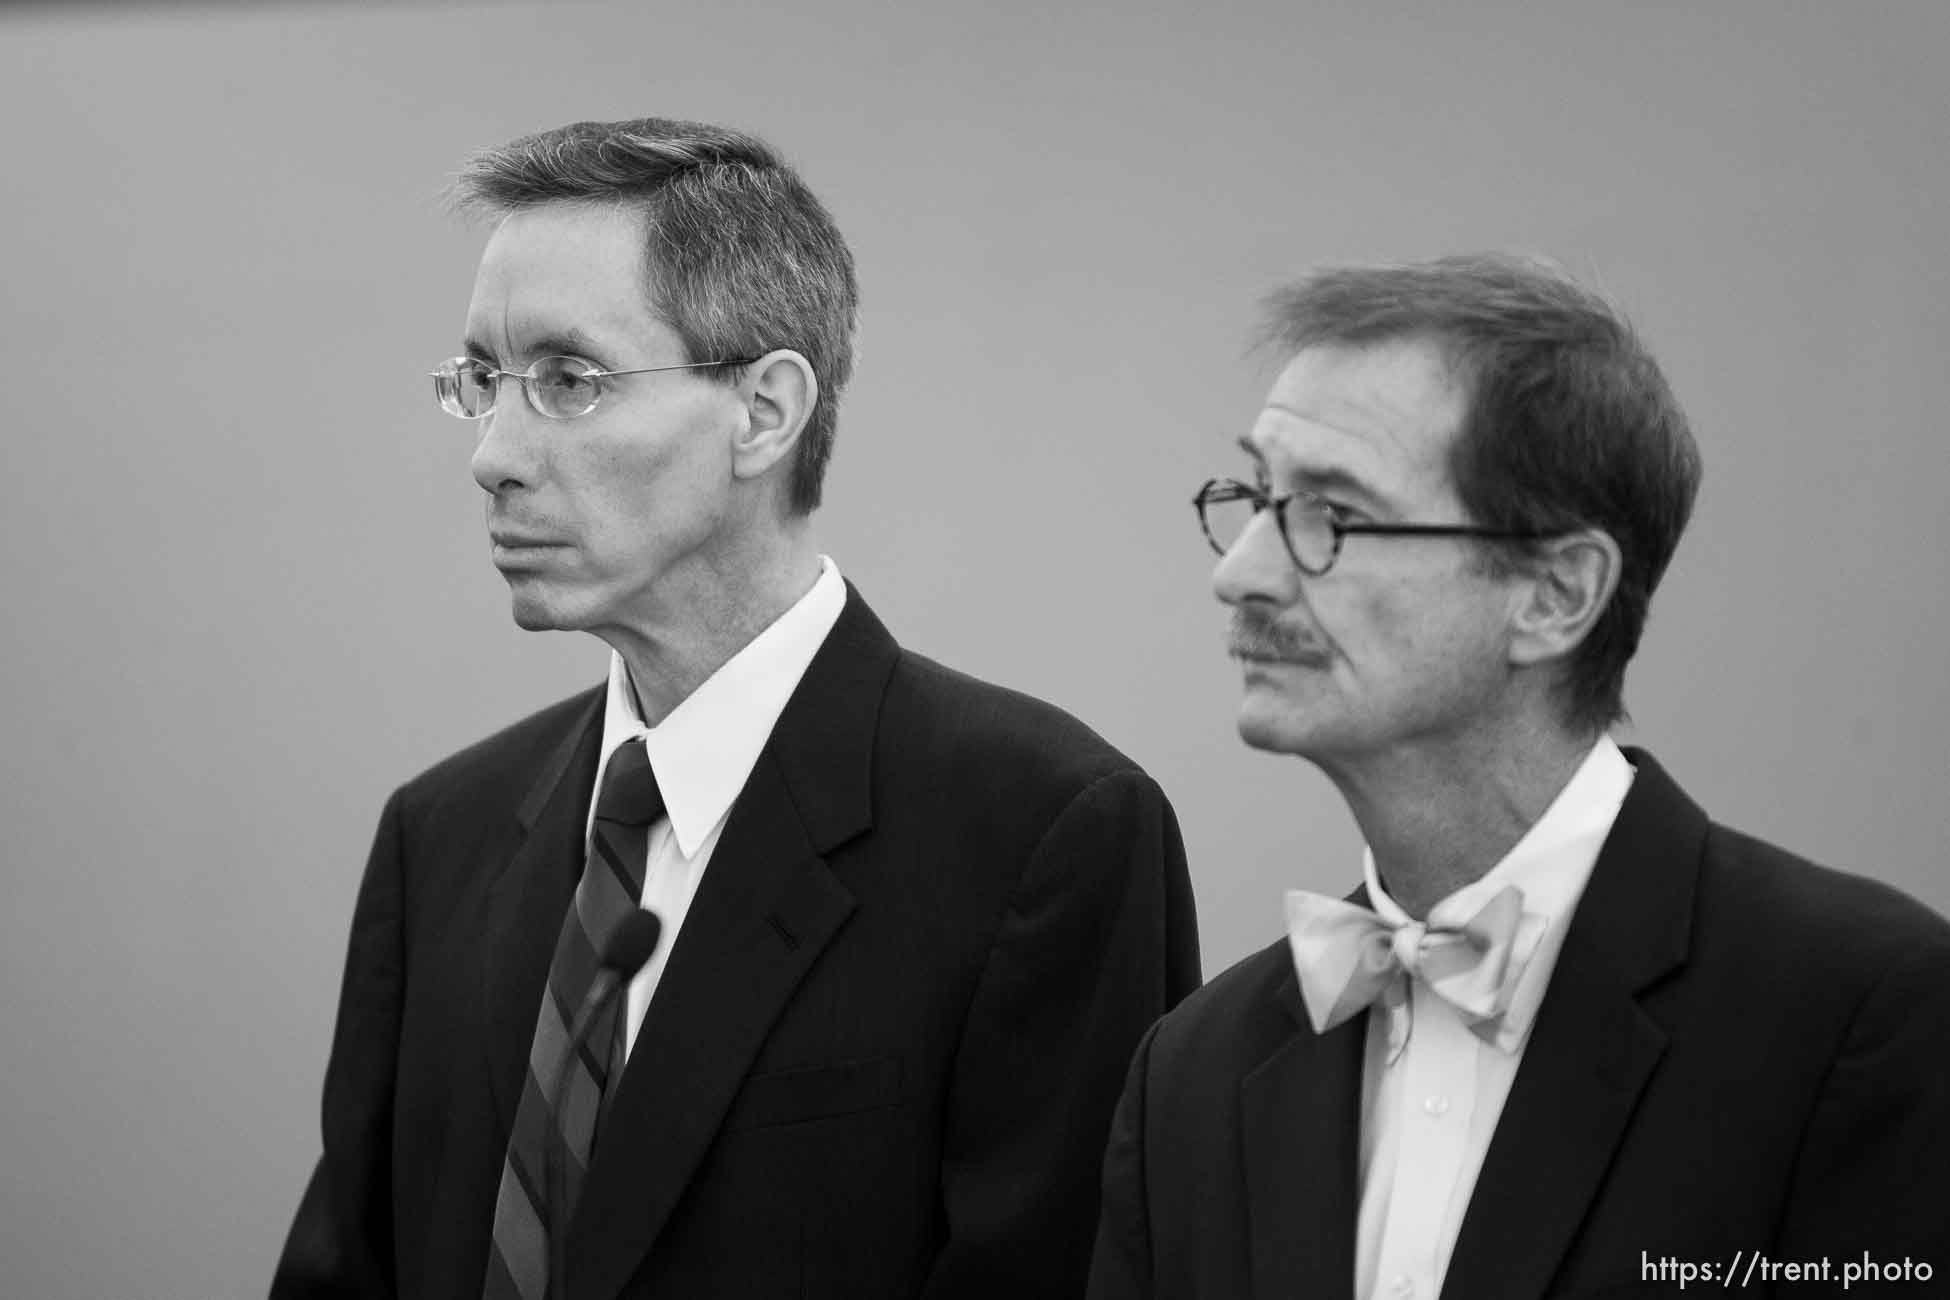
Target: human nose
column 1257, row 565
column 508, row 456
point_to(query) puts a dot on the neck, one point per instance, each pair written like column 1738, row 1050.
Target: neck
column 1440, row 817
column 701, row 622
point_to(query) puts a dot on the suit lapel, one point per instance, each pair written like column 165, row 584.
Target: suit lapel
column 766, row 909
column 1590, row 1053
column 1301, row 1112
column 536, row 879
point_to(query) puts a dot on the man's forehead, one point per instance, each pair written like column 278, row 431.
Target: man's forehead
column 571, row 231
column 557, row 275
column 1288, row 440
column 1365, row 406
column 1281, row 428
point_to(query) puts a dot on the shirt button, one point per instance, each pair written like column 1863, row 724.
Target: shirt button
column 1403, row 1285
column 1435, row 1104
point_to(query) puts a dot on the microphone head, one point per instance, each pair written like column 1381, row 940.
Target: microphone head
column 632, row 942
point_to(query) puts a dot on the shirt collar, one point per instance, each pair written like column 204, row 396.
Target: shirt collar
column 1552, row 860
column 706, row 747
column 1551, row 864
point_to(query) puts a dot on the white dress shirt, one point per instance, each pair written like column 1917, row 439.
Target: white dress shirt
column 703, row 751
column 1427, row 1119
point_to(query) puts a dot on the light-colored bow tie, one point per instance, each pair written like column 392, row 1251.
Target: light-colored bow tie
column 1348, row 958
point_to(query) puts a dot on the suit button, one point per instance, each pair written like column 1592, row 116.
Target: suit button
column 1403, row 1286
column 1435, row 1104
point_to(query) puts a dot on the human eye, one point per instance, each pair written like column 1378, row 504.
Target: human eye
column 1341, row 511
column 476, row 379
column 1326, row 510
column 567, row 377
column 563, row 387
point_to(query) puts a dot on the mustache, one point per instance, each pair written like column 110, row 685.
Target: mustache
column 1253, row 635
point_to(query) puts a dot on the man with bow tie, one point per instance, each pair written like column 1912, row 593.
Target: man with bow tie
column 1568, row 1030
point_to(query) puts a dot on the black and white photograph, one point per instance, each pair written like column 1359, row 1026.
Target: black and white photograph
column 1137, row 651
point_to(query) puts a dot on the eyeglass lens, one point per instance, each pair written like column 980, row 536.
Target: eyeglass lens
column 1225, row 520
column 1309, row 529
column 560, row 387
column 474, row 388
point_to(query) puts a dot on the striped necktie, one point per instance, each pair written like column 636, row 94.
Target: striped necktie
column 611, row 884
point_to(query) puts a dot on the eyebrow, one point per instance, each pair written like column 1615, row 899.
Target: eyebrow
column 1321, row 481
column 550, row 343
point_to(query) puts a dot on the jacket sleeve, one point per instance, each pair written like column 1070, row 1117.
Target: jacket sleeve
column 1872, row 1180
column 1098, row 941
column 1120, row 1268
column 341, row 1239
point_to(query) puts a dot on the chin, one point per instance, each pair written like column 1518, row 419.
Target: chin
column 1267, row 728
column 530, row 618
column 1279, row 725
column 536, row 609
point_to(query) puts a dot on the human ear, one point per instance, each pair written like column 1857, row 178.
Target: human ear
column 1568, row 582
column 779, row 392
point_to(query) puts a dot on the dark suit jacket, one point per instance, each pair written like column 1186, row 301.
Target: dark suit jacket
column 1738, row 1051
column 883, row 1055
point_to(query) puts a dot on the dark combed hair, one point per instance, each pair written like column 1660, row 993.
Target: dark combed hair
column 741, row 258
column 1568, row 422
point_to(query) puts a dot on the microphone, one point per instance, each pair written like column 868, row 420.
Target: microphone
column 627, row 950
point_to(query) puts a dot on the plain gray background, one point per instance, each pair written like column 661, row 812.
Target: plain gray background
column 251, row 594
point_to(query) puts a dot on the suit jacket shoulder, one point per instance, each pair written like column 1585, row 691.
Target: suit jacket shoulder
column 998, row 772
column 506, row 758
column 1733, row 937
column 1235, row 1021
column 930, row 702
column 1841, row 926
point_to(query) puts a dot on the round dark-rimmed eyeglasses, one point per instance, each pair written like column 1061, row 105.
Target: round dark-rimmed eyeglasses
column 1310, row 526
column 560, row 388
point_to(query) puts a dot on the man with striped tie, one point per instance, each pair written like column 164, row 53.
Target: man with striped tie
column 913, row 924
column 1568, row 1037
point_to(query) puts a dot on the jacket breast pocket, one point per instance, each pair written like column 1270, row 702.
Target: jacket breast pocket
column 815, row 1092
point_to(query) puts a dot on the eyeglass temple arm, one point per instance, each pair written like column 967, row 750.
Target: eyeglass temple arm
column 688, row 365
column 605, row 374
column 1440, row 530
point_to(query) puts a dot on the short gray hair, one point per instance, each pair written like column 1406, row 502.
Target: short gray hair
column 740, row 257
